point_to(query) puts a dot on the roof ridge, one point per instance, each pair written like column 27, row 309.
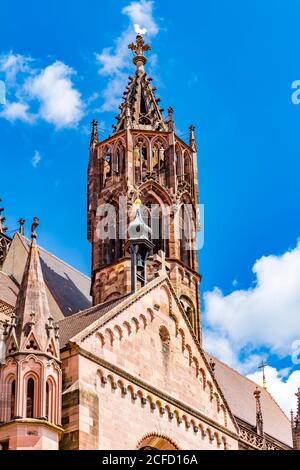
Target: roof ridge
column 93, row 309
column 54, row 256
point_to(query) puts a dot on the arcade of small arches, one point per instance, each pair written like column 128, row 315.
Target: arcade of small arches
column 116, row 333
column 150, row 159
column 165, row 410
column 24, row 397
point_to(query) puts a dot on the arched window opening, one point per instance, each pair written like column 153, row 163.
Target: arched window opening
column 47, row 401
column 107, row 164
column 140, row 161
column 112, row 245
column 187, row 168
column 12, row 399
column 30, row 399
column 188, row 308
column 120, row 161
column 186, row 236
column 144, row 161
column 158, row 162
column 179, row 169
column 153, row 216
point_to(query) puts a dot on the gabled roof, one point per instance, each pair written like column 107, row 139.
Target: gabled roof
column 238, row 391
column 74, row 324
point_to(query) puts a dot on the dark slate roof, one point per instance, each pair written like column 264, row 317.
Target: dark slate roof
column 238, row 391
column 8, row 289
column 69, row 287
column 72, row 325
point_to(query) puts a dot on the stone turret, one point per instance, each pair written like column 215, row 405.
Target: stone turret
column 30, row 375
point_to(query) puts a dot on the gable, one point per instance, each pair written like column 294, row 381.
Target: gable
column 150, row 339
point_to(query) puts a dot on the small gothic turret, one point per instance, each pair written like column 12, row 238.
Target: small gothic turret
column 30, row 375
column 5, row 240
column 295, row 423
column 259, row 416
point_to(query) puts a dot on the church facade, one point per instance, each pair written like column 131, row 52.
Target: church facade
column 117, row 362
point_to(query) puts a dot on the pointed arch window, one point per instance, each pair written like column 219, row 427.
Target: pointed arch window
column 30, row 396
column 159, row 161
column 50, row 400
column 187, row 168
column 12, row 398
column 107, row 170
column 186, row 236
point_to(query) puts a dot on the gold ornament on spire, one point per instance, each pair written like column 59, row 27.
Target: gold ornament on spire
column 263, row 366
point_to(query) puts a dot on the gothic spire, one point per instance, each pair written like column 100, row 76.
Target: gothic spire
column 140, row 109
column 30, row 325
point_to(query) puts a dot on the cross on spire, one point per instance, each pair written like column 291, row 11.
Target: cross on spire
column 139, row 47
column 263, row 366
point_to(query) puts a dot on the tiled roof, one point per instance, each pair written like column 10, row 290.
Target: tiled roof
column 69, row 287
column 238, row 391
column 72, row 325
column 8, row 289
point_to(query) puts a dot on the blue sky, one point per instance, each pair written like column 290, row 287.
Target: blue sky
column 226, row 67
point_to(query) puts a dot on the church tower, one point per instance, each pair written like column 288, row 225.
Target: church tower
column 30, row 371
column 144, row 159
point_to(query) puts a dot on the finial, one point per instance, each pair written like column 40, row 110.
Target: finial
column 170, row 119
column 2, row 220
column 21, row 227
column 94, row 134
column 192, row 138
column 263, row 366
column 33, row 227
column 139, row 47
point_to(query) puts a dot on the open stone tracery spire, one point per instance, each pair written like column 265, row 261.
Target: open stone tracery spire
column 140, row 109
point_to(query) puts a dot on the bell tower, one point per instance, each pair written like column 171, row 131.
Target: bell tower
column 144, row 159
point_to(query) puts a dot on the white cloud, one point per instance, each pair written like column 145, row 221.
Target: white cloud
column 50, row 89
column 12, row 64
column 266, row 315
column 282, row 389
column 114, row 62
column 141, row 15
column 17, row 110
column 36, row 159
column 247, row 325
column 60, row 102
